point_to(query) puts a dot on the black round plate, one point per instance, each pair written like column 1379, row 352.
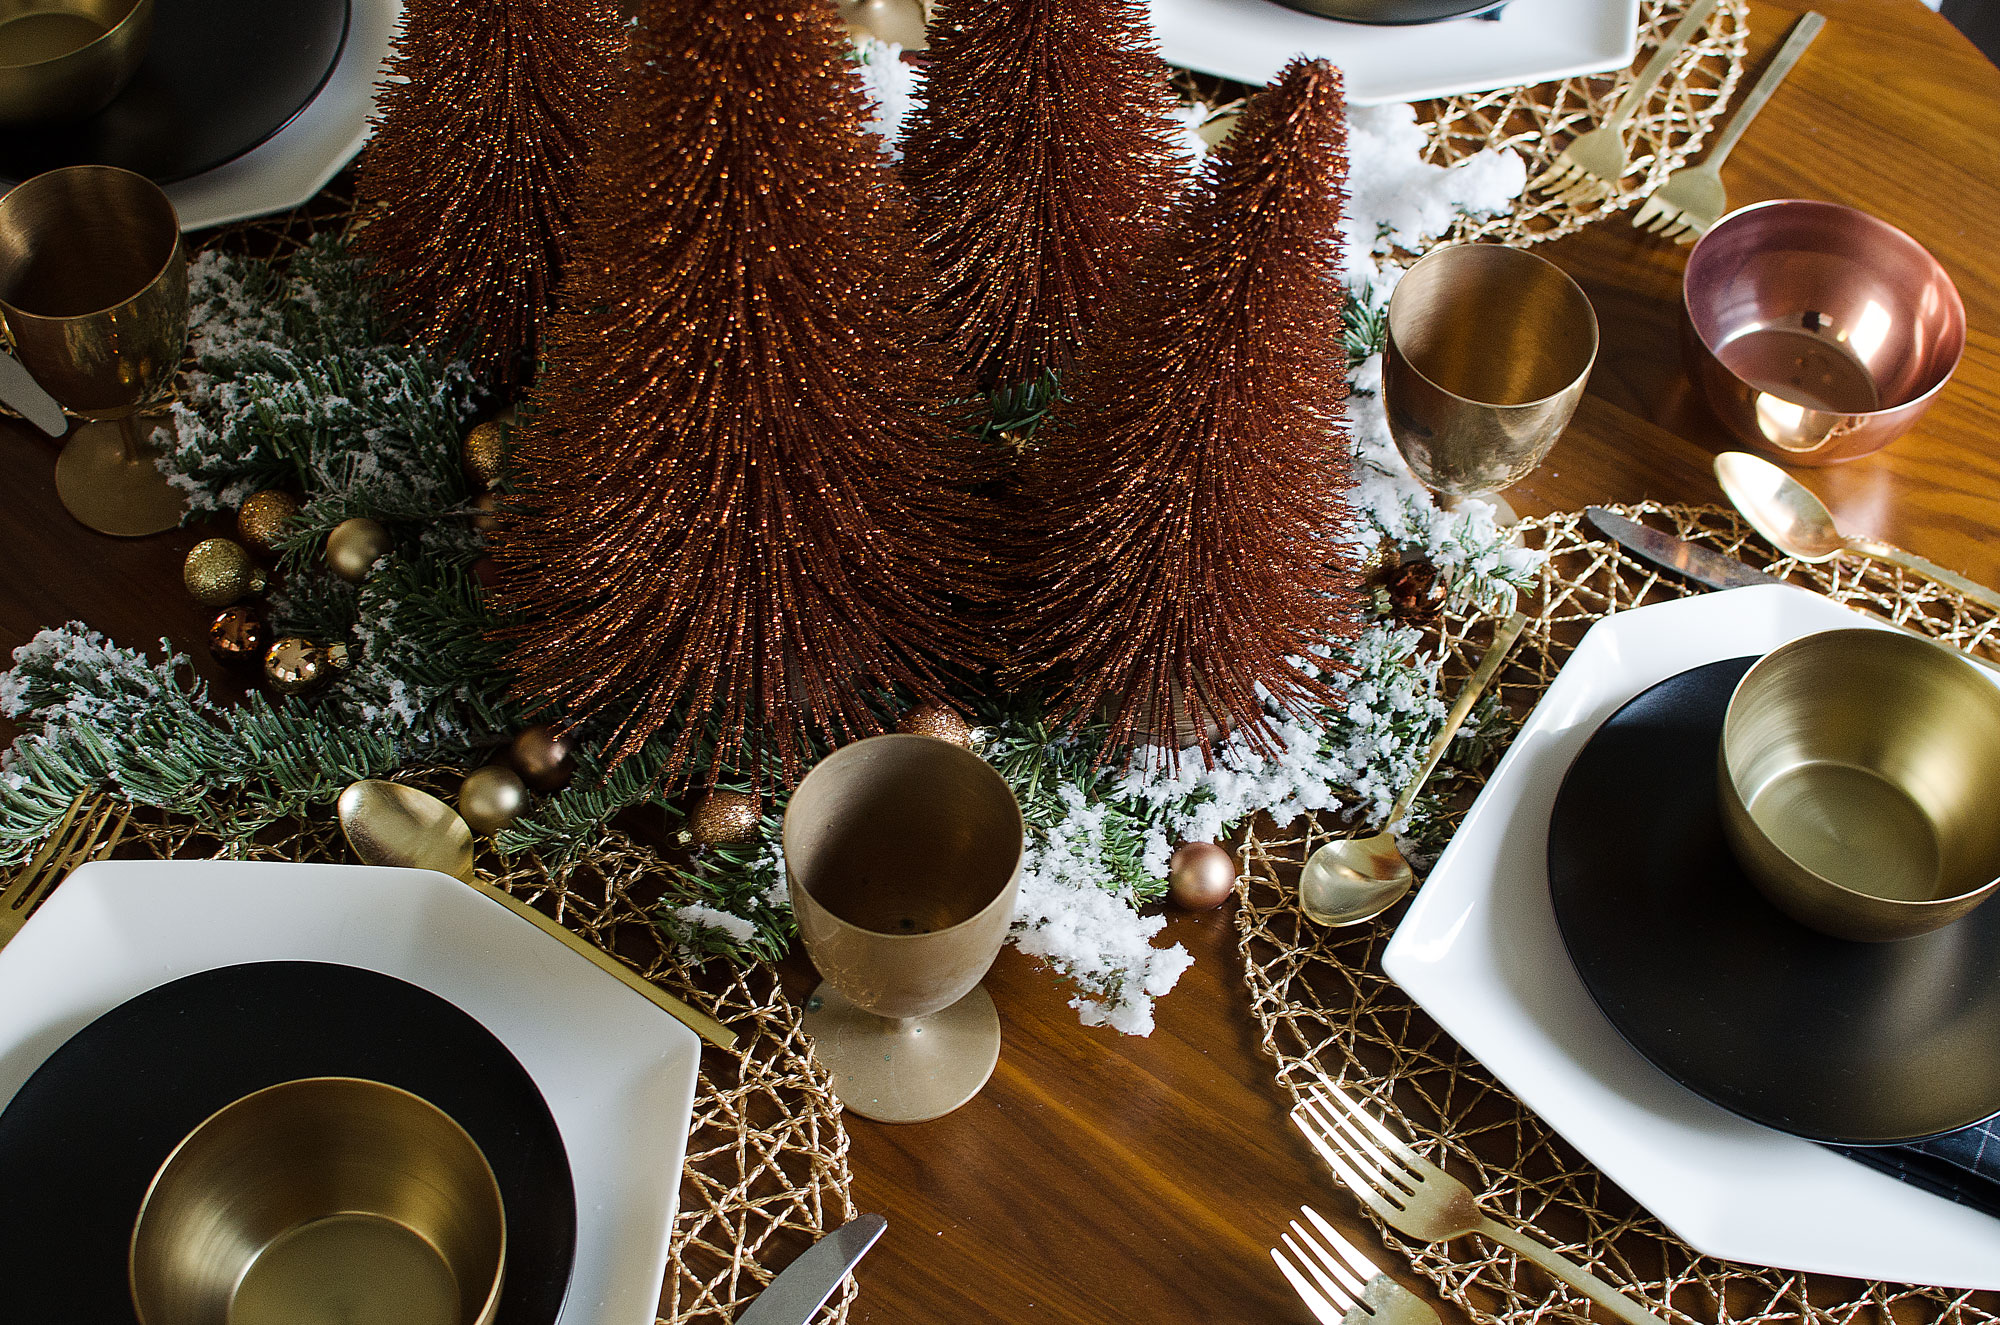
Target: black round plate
column 220, row 77
column 1393, row 13
column 81, row 1141
column 1851, row 1043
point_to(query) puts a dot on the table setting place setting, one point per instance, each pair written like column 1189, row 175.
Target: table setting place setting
column 716, row 538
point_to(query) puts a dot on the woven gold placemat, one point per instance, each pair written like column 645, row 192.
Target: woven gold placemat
column 1326, row 1009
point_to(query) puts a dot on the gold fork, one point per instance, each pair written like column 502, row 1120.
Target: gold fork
column 1339, row 1285
column 73, row 842
column 1419, row 1199
column 1591, row 166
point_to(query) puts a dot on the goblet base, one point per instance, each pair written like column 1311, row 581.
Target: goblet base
column 111, row 492
column 907, row 1071
column 1504, row 514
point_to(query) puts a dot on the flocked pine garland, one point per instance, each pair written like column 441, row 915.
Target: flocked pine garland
column 297, row 385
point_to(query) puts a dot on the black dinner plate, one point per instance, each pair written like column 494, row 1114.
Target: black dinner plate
column 1856, row 1044
column 220, row 77
column 1389, row 13
column 80, row 1142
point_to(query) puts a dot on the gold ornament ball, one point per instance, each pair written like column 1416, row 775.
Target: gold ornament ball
column 485, row 452
column 484, row 507
column 260, row 521
column 937, row 722
column 492, row 797
column 544, row 760
column 1200, row 876
column 354, row 546
column 219, row 571
column 723, row 817
column 297, row 666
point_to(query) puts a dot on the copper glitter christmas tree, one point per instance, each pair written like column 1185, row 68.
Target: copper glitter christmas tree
column 741, row 495
column 1041, row 166
column 1190, row 495
column 475, row 164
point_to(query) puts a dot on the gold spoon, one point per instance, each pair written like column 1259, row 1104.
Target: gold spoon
column 1348, row 882
column 1798, row 524
column 387, row 823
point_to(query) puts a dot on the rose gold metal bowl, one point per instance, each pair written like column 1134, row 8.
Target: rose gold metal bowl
column 65, row 59
column 1817, row 332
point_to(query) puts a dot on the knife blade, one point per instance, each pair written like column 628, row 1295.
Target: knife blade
column 805, row 1285
column 22, row 393
column 1675, row 554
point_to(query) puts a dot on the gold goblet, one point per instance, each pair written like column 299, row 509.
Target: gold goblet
column 94, row 299
column 904, row 856
column 1488, row 352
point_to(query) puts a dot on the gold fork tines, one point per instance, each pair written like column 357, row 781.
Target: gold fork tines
column 1338, row 1284
column 72, row 843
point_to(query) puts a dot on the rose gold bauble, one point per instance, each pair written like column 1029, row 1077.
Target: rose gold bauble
column 492, row 797
column 544, row 760
column 939, row 723
column 723, row 817
column 236, row 638
column 260, row 521
column 1200, row 876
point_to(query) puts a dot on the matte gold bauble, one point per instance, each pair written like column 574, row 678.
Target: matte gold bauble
column 260, row 521
column 354, row 546
column 295, row 666
column 544, row 760
column 237, row 636
column 1200, row 876
column 485, row 452
column 485, row 506
column 937, row 722
column 721, row 818
column 219, row 571
column 492, row 797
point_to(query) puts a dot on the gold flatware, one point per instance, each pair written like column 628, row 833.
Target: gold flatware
column 388, row 823
column 1693, row 198
column 1420, row 1200
column 1351, row 881
column 1798, row 524
column 1339, row 1285
column 73, row 842
column 1591, row 166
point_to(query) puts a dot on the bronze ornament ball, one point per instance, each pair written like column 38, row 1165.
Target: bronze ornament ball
column 1200, row 876
column 485, row 452
column 295, row 666
column 544, row 760
column 721, row 818
column 218, row 571
column 937, row 722
column 492, row 797
column 260, row 521
column 237, row 636
column 354, row 546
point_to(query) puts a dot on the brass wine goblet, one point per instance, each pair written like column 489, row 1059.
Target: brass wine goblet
column 94, row 299
column 1488, row 352
column 903, row 854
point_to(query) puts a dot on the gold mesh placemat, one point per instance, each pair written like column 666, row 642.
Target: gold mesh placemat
column 1326, row 1009
column 766, row 1171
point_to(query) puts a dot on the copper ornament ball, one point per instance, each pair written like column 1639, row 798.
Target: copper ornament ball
column 219, row 571
column 939, row 723
column 1200, row 876
column 260, row 521
column 492, row 797
column 295, row 666
column 354, row 546
column 544, row 760
column 485, row 452
column 237, row 636
column 723, row 817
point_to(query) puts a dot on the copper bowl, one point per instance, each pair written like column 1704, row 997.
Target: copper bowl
column 66, row 59
column 1818, row 333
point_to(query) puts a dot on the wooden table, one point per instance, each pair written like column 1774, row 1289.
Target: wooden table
column 1102, row 1178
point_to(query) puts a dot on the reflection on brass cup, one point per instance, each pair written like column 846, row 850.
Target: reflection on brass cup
column 1818, row 333
column 321, row 1202
column 94, row 299
column 1488, row 352
column 66, row 59
column 1858, row 775
column 903, row 854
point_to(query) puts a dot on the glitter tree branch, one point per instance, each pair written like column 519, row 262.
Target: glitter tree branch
column 740, row 501
column 474, row 168
column 1190, row 496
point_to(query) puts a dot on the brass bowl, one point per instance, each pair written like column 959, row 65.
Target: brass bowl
column 317, row 1202
column 1818, row 333
column 1859, row 771
column 66, row 59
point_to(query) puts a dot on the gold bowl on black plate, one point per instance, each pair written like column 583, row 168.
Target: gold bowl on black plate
column 1393, row 12
column 65, row 59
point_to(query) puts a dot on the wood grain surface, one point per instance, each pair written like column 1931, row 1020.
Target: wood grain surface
column 1105, row 1178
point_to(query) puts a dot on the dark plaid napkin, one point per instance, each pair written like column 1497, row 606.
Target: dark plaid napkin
column 1962, row 1166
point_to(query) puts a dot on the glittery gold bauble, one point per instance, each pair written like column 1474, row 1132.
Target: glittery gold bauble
column 1377, row 559
column 236, row 637
column 297, row 666
column 492, row 797
column 1200, row 876
column 544, row 760
column 485, row 452
column 935, row 720
column 723, row 817
column 260, row 521
column 485, row 504
column 219, row 571
column 354, row 546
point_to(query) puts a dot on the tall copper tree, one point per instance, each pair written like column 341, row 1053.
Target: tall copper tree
column 477, row 156
column 1190, row 493
column 1041, row 166
column 741, row 495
